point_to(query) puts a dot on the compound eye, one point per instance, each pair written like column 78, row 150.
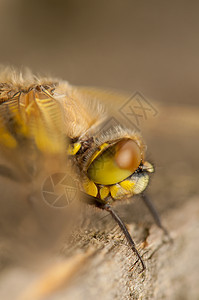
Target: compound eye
column 128, row 155
column 116, row 163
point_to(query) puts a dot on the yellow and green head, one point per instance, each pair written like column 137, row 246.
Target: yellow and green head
column 112, row 166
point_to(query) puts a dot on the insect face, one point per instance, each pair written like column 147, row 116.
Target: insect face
column 113, row 166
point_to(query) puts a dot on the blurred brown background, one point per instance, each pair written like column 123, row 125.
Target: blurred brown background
column 150, row 46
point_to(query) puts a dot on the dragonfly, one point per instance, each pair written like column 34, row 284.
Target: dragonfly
column 46, row 125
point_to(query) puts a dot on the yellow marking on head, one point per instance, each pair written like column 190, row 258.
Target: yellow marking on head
column 97, row 153
column 104, row 192
column 90, row 188
column 117, row 191
column 128, row 185
column 74, row 148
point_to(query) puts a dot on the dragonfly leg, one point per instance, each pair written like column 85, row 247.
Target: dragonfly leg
column 127, row 235
column 154, row 214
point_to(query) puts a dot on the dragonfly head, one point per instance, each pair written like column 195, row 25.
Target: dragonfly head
column 112, row 166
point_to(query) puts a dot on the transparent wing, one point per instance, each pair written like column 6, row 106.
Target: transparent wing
column 80, row 111
column 127, row 109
